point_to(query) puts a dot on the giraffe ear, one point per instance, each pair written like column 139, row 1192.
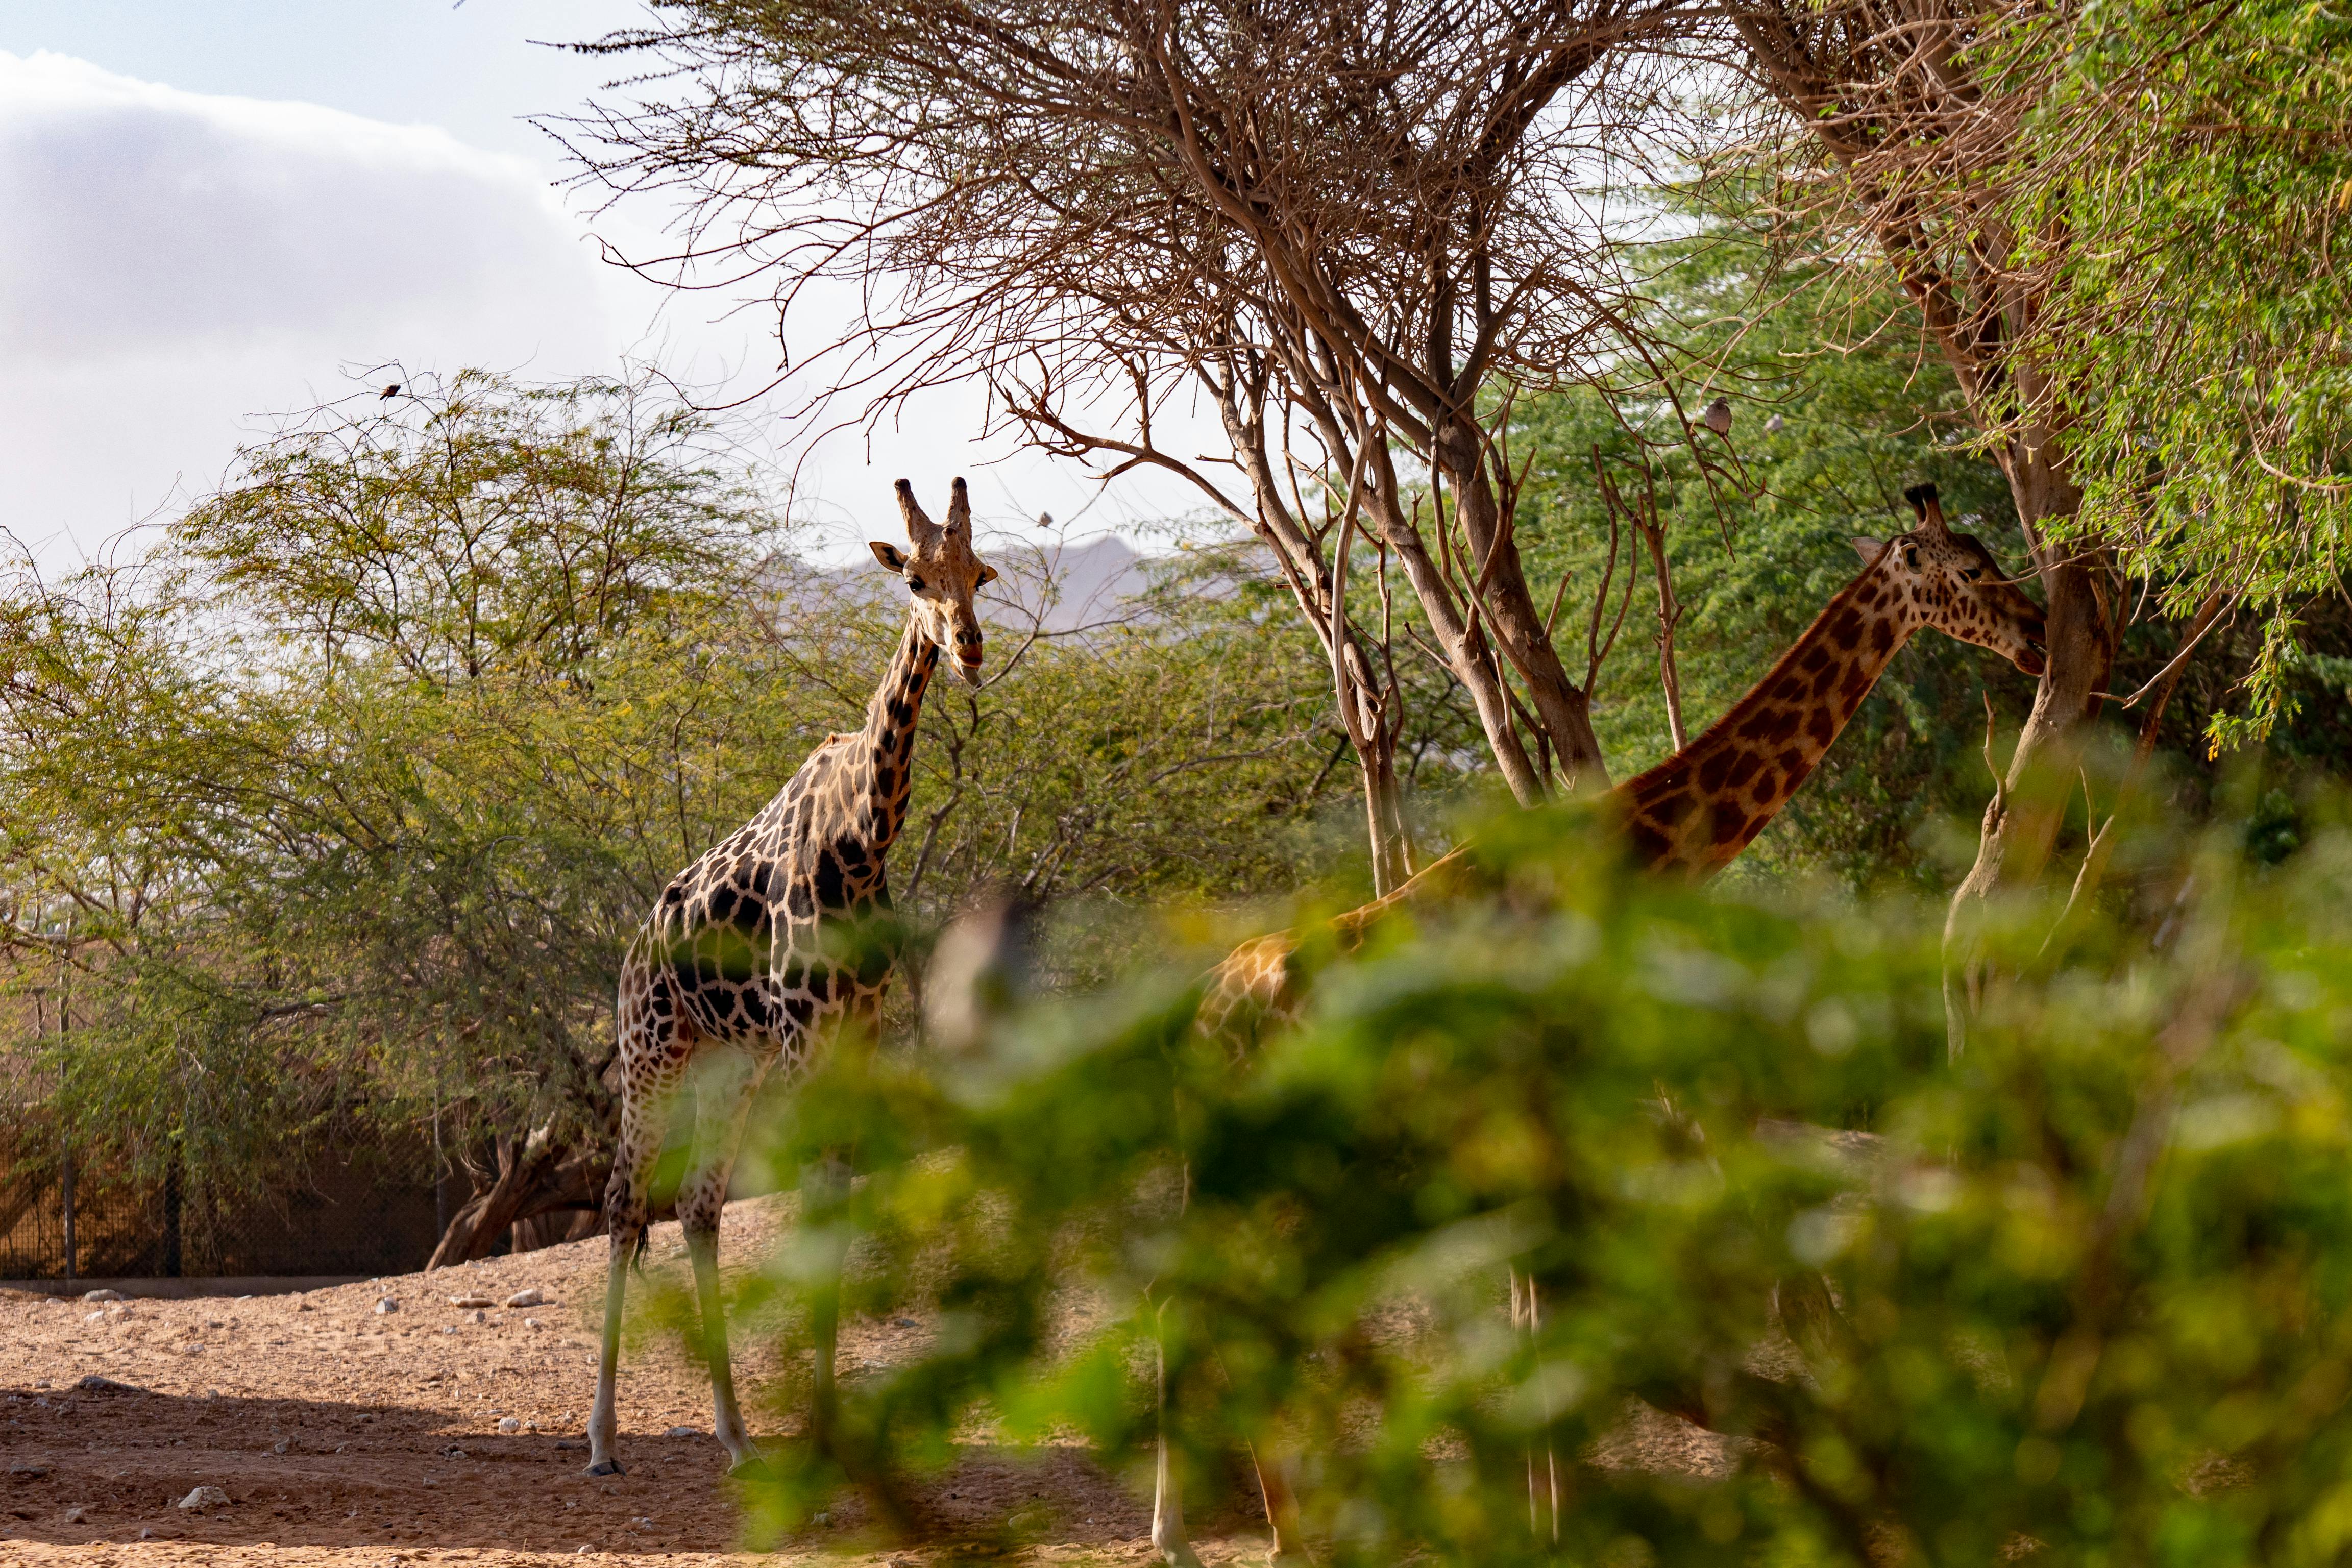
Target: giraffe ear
column 1869, row 549
column 892, row 558
column 987, row 573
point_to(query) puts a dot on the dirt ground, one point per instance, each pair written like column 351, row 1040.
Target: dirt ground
column 341, row 1434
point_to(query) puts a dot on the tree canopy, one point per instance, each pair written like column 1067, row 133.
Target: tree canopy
column 343, row 804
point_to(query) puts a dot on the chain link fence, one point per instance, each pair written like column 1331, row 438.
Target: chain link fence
column 357, row 1211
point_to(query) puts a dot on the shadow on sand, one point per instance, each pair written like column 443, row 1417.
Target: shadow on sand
column 111, row 1463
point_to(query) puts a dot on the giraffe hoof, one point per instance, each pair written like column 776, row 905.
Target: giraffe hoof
column 753, row 1467
column 605, row 1468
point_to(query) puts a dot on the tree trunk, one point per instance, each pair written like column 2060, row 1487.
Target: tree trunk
column 1462, row 641
column 1384, row 819
column 553, row 1229
column 1367, row 706
column 2029, row 804
column 172, row 1217
column 1560, row 705
column 539, row 1178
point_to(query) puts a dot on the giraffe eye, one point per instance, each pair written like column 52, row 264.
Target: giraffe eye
column 916, row 583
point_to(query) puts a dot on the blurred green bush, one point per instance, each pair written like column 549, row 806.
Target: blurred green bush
column 2087, row 1287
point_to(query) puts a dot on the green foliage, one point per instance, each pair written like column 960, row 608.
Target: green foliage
column 355, row 791
column 2186, row 174
column 2088, row 1287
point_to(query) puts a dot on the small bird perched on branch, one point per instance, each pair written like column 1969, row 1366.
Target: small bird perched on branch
column 1717, row 416
column 389, row 392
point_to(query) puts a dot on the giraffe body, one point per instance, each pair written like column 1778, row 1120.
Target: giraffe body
column 741, row 969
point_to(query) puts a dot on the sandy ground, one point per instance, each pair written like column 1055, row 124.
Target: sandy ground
column 340, row 1434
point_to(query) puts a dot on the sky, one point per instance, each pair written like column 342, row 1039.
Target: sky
column 220, row 209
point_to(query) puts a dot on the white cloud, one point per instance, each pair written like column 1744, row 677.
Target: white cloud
column 176, row 265
column 172, row 262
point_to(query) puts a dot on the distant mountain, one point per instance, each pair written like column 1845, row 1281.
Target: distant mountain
column 1092, row 580
column 1075, row 585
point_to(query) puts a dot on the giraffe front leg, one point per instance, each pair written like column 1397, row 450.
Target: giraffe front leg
column 626, row 1214
column 726, row 1415
column 1278, row 1465
column 651, row 1046
column 824, row 1194
column 1168, row 1536
column 825, row 1216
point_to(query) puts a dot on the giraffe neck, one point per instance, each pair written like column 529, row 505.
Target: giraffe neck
column 881, row 779
column 1702, row 806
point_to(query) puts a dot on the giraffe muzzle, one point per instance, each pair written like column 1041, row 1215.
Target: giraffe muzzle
column 968, row 669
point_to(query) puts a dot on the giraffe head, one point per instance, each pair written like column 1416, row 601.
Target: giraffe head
column 1950, row 582
column 941, row 574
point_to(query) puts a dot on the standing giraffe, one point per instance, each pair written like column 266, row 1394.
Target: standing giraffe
column 735, row 969
column 1693, row 813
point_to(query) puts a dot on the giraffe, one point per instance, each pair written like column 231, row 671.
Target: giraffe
column 1695, row 812
column 736, row 969
column 1692, row 813
column 1698, row 809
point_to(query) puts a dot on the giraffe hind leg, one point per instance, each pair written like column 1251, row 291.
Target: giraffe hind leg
column 1276, row 1466
column 723, row 1090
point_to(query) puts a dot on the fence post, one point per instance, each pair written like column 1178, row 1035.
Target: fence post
column 172, row 1217
column 65, row 1026
column 440, row 1166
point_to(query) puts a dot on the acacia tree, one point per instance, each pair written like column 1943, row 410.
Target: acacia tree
column 2194, row 160
column 2113, row 224
column 1345, row 228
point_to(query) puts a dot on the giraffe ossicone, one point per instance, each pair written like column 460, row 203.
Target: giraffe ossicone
column 741, row 966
